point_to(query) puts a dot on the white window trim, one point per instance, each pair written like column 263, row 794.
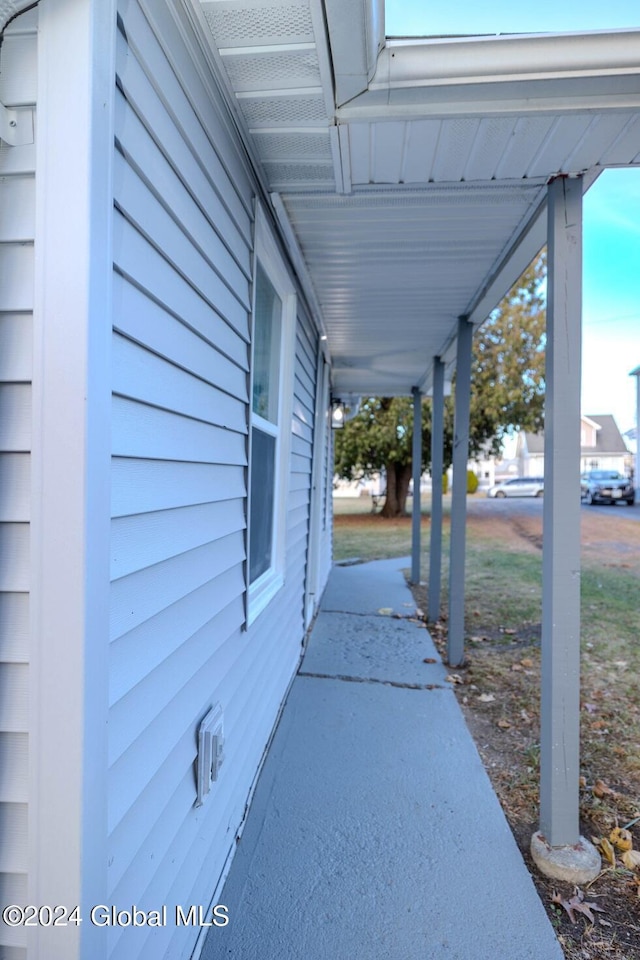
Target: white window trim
column 262, row 590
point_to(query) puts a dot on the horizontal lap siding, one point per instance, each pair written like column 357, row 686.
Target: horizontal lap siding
column 181, row 293
column 17, row 232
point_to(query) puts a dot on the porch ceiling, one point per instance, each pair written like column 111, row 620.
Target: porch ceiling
column 410, row 177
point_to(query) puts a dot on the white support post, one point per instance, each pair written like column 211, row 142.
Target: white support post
column 417, row 472
column 455, row 645
column 559, row 836
column 437, row 470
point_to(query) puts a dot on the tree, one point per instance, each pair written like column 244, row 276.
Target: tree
column 507, row 392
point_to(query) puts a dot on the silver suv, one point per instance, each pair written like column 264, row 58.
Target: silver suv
column 518, row 487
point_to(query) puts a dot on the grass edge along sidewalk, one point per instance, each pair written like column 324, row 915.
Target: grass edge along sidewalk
column 499, row 689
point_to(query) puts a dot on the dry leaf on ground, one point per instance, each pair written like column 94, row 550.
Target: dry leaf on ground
column 607, row 850
column 621, row 839
column 631, row 859
column 600, row 790
column 579, row 904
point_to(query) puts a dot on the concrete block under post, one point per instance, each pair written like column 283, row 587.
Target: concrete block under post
column 557, row 848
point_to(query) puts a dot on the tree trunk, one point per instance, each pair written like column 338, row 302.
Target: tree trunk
column 398, row 479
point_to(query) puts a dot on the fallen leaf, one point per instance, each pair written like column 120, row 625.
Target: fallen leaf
column 621, row 839
column 486, row 698
column 590, row 707
column 607, row 851
column 385, row 611
column 516, row 666
column 582, row 781
column 577, row 903
column 454, row 678
column 600, row 789
column 631, row 859
column 504, row 724
column 527, row 662
column 429, row 660
column 509, row 631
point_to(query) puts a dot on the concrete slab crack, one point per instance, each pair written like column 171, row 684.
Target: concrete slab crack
column 386, row 683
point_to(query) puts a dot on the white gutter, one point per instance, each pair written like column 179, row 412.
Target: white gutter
column 506, row 58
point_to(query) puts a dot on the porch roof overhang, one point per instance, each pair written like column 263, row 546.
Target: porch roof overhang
column 409, row 177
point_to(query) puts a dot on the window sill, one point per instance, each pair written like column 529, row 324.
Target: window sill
column 261, row 593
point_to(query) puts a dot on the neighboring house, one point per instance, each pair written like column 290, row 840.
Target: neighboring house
column 214, row 216
column 601, row 447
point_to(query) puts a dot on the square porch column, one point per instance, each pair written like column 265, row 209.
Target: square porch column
column 455, row 645
column 437, row 470
column 558, row 849
column 416, row 455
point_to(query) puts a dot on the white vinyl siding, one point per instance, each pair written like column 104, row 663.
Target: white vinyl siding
column 183, row 254
column 17, row 231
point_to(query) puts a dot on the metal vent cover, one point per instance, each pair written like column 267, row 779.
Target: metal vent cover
column 267, row 111
column 240, row 24
column 293, row 146
column 297, row 173
column 272, row 71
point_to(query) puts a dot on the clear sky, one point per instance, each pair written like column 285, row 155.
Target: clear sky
column 611, row 266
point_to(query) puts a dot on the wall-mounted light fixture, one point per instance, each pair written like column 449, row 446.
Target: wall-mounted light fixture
column 337, row 414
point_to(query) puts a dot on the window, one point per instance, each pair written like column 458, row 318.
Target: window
column 271, row 396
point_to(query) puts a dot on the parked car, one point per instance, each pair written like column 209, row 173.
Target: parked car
column 606, row 486
column 518, row 487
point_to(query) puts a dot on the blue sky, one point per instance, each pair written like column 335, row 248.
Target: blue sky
column 611, row 266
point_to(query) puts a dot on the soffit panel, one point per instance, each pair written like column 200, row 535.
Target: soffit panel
column 391, row 269
column 406, row 207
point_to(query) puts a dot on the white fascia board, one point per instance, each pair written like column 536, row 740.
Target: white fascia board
column 590, row 422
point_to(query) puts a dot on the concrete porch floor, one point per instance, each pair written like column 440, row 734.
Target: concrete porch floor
column 374, row 832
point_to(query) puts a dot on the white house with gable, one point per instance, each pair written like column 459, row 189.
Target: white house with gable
column 602, row 447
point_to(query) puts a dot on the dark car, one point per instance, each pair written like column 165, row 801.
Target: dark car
column 606, row 486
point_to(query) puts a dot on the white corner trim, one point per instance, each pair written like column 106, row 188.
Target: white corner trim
column 71, row 462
